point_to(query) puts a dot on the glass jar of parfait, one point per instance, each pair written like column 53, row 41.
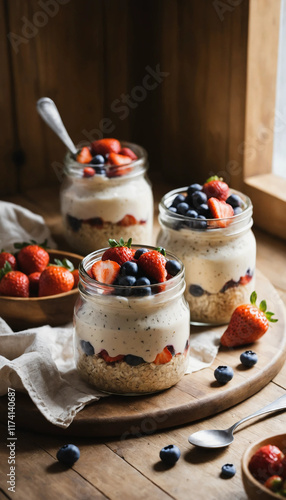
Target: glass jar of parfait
column 131, row 323
column 214, row 240
column 106, row 194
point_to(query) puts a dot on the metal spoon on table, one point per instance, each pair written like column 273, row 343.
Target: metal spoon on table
column 219, row 438
column 49, row 112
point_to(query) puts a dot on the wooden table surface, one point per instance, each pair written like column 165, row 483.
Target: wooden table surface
column 130, row 468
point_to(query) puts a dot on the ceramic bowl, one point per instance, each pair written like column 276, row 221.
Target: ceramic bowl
column 254, row 488
column 55, row 310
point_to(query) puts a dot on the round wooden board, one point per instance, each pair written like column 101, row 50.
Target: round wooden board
column 196, row 396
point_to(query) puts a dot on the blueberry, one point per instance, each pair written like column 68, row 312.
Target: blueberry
column 171, row 349
column 248, row 358
column 237, row 210
column 142, row 291
column 180, row 198
column 170, row 454
column 200, row 222
column 182, row 208
column 192, row 213
column 143, row 281
column 194, row 187
column 172, row 209
column 173, row 267
column 99, row 170
column 223, row 374
column 199, row 198
column 228, row 470
column 87, row 347
column 133, row 360
column 73, row 222
column 68, row 454
column 97, row 160
column 140, row 252
column 129, row 268
column 126, row 280
column 204, row 210
column 196, row 290
column 234, row 200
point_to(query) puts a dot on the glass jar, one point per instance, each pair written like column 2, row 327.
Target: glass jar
column 114, row 204
column 219, row 257
column 131, row 344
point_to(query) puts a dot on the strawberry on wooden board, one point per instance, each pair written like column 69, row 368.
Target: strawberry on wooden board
column 54, row 280
column 84, row 155
column 105, row 271
column 105, row 146
column 119, row 251
column 266, row 462
column 109, row 359
column 220, row 210
column 8, row 257
column 248, row 323
column 216, row 188
column 13, row 283
column 163, row 357
column 128, row 152
column 32, row 258
column 153, row 264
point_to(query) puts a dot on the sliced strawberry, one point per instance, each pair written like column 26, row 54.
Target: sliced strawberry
column 153, row 264
column 76, row 277
column 220, row 210
column 117, row 159
column 84, row 156
column 128, row 152
column 105, row 146
column 216, row 188
column 244, row 280
column 88, row 172
column 128, row 220
column 163, row 357
column 105, row 271
column 109, row 359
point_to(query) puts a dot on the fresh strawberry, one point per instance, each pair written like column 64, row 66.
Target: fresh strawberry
column 76, row 277
column 244, row 280
column 247, row 324
column 220, row 210
column 34, row 279
column 14, row 283
column 88, row 172
column 128, row 152
column 84, row 156
column 128, row 220
column 119, row 252
column 266, row 462
column 117, row 159
column 274, row 483
column 109, row 359
column 32, row 258
column 54, row 280
column 105, row 271
column 153, row 264
column 214, row 187
column 163, row 357
column 105, row 146
column 8, row 257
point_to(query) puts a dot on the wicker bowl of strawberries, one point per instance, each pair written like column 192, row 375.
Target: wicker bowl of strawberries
column 38, row 286
column 264, row 468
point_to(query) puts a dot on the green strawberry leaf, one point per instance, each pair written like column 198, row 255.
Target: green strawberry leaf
column 5, row 269
column 121, row 243
column 212, row 178
column 161, row 250
column 269, row 315
column 112, row 243
column 129, row 243
column 263, row 306
column 64, row 263
column 253, row 298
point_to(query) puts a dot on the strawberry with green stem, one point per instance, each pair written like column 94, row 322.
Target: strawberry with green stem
column 248, row 323
column 13, row 283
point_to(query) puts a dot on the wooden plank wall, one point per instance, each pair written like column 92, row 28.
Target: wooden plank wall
column 93, row 57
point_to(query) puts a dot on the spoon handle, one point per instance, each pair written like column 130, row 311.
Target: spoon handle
column 278, row 404
column 49, row 112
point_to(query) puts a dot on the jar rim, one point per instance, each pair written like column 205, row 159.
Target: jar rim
column 74, row 168
column 91, row 285
column 213, row 225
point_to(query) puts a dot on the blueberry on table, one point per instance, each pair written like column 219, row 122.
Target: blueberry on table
column 68, row 454
column 87, row 347
column 194, row 187
column 223, row 374
column 173, row 267
column 228, row 470
column 196, row 290
column 140, row 252
column 248, row 358
column 170, row 454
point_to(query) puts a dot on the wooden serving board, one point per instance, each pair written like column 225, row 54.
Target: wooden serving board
column 196, row 396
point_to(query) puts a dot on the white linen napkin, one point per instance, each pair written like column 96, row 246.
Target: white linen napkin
column 40, row 360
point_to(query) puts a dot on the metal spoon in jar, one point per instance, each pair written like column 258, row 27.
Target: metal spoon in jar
column 49, row 112
column 219, row 438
